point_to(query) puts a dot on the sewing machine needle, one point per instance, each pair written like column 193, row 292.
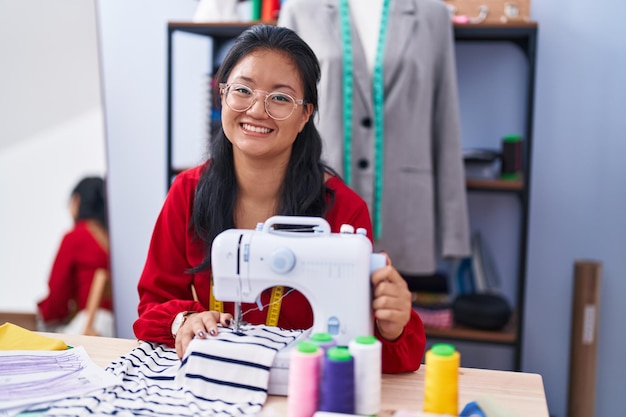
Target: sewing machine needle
column 237, row 316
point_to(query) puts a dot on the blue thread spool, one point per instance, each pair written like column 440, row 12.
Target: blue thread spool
column 337, row 384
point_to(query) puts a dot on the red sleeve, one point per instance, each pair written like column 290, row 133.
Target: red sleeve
column 78, row 257
column 55, row 307
column 165, row 285
column 347, row 207
column 405, row 353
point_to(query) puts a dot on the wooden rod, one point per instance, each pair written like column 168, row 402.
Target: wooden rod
column 584, row 338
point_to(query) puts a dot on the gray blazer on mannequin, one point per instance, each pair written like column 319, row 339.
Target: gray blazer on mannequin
column 424, row 202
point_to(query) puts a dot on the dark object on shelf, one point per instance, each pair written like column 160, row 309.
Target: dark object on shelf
column 435, row 283
column 480, row 155
column 511, row 157
column 482, row 311
column 481, row 163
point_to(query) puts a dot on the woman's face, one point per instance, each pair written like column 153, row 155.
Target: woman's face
column 253, row 133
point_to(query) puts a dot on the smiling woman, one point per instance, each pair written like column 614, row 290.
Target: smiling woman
column 51, row 134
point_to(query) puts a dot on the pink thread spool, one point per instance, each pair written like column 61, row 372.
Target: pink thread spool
column 304, row 376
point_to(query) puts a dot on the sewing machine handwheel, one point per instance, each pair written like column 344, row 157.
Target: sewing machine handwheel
column 282, row 260
column 377, row 261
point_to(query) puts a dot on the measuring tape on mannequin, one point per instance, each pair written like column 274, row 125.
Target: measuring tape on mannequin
column 379, row 101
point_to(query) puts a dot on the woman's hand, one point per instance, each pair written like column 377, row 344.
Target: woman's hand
column 201, row 325
column 392, row 301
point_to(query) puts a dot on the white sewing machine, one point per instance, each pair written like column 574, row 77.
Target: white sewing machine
column 332, row 270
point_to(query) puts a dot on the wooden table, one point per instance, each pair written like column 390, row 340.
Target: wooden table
column 521, row 393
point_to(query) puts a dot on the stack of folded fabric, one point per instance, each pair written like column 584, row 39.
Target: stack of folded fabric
column 431, row 299
column 434, row 310
column 14, row 337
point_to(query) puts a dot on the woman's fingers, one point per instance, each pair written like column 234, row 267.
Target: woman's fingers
column 392, row 301
column 200, row 325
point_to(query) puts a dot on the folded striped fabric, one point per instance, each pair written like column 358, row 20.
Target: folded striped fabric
column 227, row 375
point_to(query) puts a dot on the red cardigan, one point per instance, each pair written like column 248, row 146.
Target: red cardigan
column 77, row 259
column 165, row 288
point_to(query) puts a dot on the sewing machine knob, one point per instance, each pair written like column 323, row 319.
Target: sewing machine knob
column 346, row 229
column 282, row 260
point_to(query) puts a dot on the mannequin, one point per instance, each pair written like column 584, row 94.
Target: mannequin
column 366, row 16
column 403, row 156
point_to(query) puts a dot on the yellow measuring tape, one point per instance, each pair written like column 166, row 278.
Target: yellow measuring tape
column 274, row 306
column 275, row 302
column 215, row 305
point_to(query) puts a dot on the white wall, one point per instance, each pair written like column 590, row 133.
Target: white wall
column 578, row 200
column 133, row 39
column 51, row 134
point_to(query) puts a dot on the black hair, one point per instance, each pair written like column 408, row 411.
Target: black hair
column 91, row 191
column 303, row 190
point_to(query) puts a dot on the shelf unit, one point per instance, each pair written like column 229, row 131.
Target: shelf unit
column 220, row 33
column 523, row 35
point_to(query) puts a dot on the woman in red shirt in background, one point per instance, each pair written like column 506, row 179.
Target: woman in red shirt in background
column 265, row 161
column 82, row 255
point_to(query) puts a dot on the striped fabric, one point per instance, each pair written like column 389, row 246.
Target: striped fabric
column 220, row 376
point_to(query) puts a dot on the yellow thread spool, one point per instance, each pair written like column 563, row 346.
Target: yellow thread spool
column 441, row 381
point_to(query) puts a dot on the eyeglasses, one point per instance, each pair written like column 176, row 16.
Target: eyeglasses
column 240, row 97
